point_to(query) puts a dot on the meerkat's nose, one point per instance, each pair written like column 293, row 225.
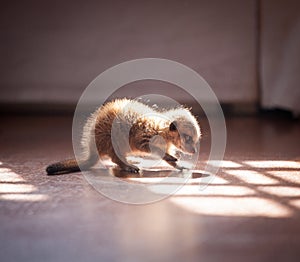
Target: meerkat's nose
column 193, row 150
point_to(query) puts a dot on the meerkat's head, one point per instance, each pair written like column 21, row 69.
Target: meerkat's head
column 184, row 131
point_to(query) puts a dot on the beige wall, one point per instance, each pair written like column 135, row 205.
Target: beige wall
column 51, row 50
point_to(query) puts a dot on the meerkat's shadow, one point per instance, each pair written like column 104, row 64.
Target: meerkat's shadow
column 148, row 173
column 157, row 173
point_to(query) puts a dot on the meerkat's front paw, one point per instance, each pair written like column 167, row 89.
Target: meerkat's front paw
column 169, row 158
column 172, row 161
column 130, row 169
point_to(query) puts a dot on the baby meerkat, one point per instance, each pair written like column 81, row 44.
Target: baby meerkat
column 144, row 129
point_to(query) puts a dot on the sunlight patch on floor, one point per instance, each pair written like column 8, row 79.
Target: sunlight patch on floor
column 295, row 203
column 16, row 188
column 273, row 164
column 219, row 180
column 290, row 176
column 226, row 206
column 173, row 180
column 282, row 191
column 252, row 177
column 24, row 197
column 6, row 175
column 222, row 191
column 13, row 187
column 224, row 163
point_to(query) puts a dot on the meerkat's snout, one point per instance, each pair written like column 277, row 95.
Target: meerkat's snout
column 188, row 145
column 190, row 149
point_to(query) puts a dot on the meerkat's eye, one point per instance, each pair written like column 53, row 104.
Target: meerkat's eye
column 173, row 126
column 187, row 138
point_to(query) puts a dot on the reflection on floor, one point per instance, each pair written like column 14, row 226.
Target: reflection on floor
column 249, row 212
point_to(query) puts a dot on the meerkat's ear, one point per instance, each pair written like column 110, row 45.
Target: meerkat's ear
column 172, row 126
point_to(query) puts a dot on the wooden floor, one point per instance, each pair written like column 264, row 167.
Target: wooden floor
column 249, row 212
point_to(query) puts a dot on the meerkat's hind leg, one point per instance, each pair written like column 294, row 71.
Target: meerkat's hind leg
column 124, row 165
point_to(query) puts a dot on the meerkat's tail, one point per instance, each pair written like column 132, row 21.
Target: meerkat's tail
column 70, row 165
column 89, row 156
column 66, row 166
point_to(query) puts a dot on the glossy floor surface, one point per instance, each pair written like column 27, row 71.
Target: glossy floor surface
column 249, row 212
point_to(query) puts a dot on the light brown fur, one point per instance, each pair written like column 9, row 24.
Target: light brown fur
column 124, row 119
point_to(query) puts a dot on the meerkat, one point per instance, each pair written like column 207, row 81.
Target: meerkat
column 143, row 126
